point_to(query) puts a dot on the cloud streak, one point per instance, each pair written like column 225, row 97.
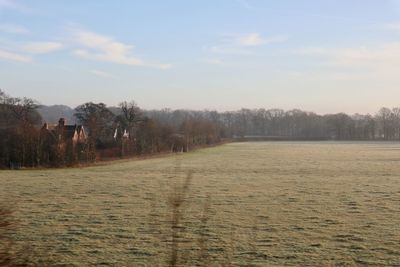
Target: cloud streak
column 245, row 4
column 83, row 44
column 42, row 47
column 217, row 62
column 379, row 61
column 392, row 26
column 241, row 44
column 386, row 53
column 25, row 53
column 14, row 5
column 251, row 39
column 12, row 56
column 99, row 47
column 14, row 29
column 102, row 74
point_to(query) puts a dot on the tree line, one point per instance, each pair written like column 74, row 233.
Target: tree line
column 278, row 124
column 127, row 130
column 102, row 132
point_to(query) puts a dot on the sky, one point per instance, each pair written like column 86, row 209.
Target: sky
column 322, row 56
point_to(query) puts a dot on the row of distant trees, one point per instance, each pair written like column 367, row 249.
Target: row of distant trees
column 18, row 131
column 128, row 130
column 293, row 124
column 131, row 131
column 110, row 133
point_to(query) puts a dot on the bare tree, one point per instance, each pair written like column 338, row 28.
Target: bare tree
column 18, row 122
column 130, row 116
column 385, row 118
column 98, row 120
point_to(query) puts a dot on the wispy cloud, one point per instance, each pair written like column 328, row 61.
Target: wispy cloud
column 26, row 52
column 386, row 53
column 12, row 56
column 394, row 26
column 99, row 47
column 241, row 43
column 14, row 29
column 251, row 39
column 42, row 47
column 84, row 44
column 214, row 62
column 377, row 61
column 313, row 51
column 255, row 39
column 228, row 49
column 102, row 74
column 14, row 5
column 246, row 4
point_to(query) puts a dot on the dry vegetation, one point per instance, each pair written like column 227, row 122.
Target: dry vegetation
column 254, row 204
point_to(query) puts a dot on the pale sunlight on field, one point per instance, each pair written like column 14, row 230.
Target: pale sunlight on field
column 275, row 204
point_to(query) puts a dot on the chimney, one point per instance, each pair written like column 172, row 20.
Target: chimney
column 61, row 122
column 45, row 126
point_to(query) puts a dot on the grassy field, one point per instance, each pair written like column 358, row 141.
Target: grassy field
column 261, row 204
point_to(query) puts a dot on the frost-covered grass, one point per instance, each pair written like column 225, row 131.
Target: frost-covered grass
column 268, row 204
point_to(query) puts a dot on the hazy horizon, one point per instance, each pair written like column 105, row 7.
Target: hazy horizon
column 324, row 57
column 228, row 110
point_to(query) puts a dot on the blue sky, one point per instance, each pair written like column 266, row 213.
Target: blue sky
column 323, row 56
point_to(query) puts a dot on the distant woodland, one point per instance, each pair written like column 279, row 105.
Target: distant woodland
column 32, row 135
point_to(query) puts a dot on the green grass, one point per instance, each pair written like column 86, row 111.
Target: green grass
column 270, row 204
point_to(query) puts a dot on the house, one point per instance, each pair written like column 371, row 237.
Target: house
column 63, row 143
column 119, row 134
column 63, row 133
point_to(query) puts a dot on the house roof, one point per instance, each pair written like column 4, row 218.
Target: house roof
column 69, row 130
